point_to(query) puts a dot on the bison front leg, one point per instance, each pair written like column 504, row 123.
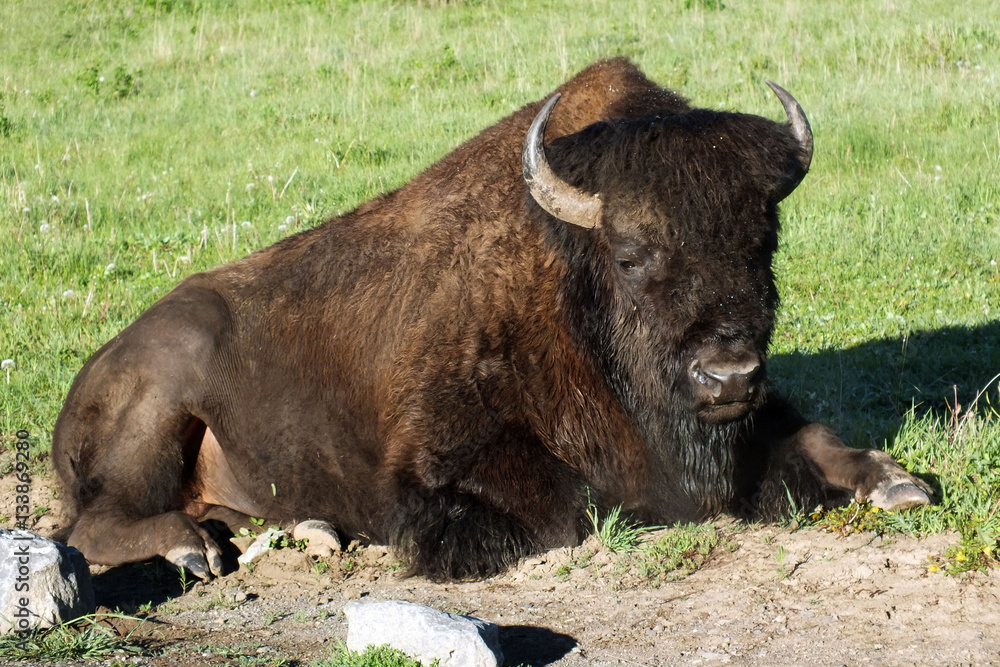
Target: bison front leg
column 453, row 536
column 870, row 474
column 807, row 464
column 474, row 515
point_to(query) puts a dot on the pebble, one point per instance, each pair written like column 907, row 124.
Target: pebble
column 236, row 595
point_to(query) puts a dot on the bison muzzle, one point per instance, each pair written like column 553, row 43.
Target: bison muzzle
column 459, row 367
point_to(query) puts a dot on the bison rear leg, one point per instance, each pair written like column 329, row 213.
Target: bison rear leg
column 322, row 537
column 126, row 439
column 130, row 503
column 111, row 539
column 126, row 480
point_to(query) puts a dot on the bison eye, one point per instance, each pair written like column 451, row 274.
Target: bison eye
column 634, row 261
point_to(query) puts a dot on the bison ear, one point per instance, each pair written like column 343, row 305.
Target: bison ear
column 556, row 196
column 799, row 126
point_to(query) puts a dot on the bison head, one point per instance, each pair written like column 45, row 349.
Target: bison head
column 683, row 208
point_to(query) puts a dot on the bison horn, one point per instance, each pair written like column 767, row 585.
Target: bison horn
column 559, row 198
column 800, row 128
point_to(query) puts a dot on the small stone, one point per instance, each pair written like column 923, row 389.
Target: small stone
column 261, row 545
column 45, row 583
column 424, row 633
column 236, row 595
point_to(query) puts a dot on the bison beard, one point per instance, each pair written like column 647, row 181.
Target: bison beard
column 459, row 367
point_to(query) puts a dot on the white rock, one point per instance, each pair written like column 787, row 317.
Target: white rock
column 261, row 545
column 424, row 633
column 44, row 583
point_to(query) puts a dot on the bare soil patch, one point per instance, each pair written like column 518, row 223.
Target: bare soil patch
column 775, row 597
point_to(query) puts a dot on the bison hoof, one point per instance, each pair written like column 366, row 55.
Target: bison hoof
column 204, row 565
column 899, row 495
column 323, row 539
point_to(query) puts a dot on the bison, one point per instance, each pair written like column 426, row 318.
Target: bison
column 460, row 367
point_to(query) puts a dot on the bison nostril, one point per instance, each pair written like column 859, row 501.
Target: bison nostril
column 725, row 382
column 707, row 379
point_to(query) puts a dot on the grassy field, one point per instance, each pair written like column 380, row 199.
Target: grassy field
column 142, row 141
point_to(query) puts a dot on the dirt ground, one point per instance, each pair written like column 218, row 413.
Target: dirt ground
column 774, row 597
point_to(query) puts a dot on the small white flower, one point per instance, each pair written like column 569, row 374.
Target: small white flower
column 270, row 178
column 68, row 293
column 44, row 228
column 282, row 228
column 184, row 258
column 6, row 365
column 25, row 210
column 937, row 167
column 101, row 79
column 290, row 219
column 55, row 199
column 109, row 268
column 253, row 93
column 413, row 87
column 245, row 224
column 251, row 186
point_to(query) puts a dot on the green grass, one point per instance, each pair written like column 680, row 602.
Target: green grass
column 677, row 552
column 373, row 656
column 615, row 532
column 143, row 141
column 81, row 639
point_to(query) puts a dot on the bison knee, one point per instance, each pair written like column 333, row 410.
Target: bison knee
column 457, row 537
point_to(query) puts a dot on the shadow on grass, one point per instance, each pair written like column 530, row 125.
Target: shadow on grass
column 864, row 391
